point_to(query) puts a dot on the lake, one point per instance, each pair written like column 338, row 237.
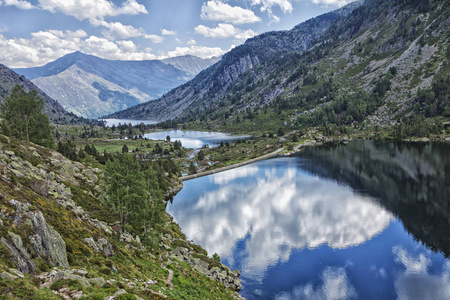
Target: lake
column 111, row 122
column 195, row 139
column 365, row 220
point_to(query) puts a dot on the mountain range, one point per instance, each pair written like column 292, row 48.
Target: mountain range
column 56, row 113
column 370, row 60
column 91, row 87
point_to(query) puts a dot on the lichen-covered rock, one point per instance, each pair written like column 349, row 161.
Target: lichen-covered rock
column 99, row 281
column 102, row 245
column 49, row 241
column 20, row 255
column 7, row 276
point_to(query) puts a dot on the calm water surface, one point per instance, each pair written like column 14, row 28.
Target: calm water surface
column 357, row 221
column 195, row 139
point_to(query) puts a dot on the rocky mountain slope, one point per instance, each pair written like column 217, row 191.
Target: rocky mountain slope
column 56, row 242
column 56, row 113
column 366, row 61
column 92, row 87
column 191, row 64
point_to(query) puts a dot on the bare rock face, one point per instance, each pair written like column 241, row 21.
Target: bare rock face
column 20, row 255
column 48, row 241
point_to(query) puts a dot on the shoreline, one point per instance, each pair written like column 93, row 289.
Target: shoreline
column 233, row 166
column 275, row 153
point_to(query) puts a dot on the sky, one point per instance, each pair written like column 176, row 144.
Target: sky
column 35, row 32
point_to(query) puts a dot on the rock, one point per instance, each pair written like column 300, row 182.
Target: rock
column 7, row 276
column 76, row 294
column 101, row 225
column 49, row 241
column 20, row 254
column 16, row 272
column 120, row 292
column 102, row 245
column 114, row 269
column 99, row 281
column 69, row 276
column 90, row 174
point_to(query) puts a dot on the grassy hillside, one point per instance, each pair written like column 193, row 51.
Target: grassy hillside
column 60, row 239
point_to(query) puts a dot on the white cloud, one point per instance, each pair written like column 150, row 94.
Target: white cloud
column 337, row 3
column 168, row 32
column 127, row 46
column 266, row 6
column 290, row 209
column 221, row 31
column 284, row 5
column 203, row 52
column 244, row 35
column 416, row 282
column 92, row 10
column 336, row 286
column 4, row 29
column 225, row 31
column 119, row 30
column 154, row 38
column 216, row 10
column 192, row 42
column 22, row 4
column 46, row 46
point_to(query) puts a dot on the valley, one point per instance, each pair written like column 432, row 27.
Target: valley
column 310, row 163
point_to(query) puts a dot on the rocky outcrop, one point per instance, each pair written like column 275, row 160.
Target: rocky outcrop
column 19, row 253
column 102, row 245
column 48, row 242
column 220, row 273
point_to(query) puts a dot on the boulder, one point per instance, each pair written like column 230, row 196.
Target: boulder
column 99, row 281
column 48, row 241
column 102, row 245
column 20, row 255
column 7, row 276
column 16, row 272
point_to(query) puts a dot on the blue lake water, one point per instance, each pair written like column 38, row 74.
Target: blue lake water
column 195, row 139
column 359, row 221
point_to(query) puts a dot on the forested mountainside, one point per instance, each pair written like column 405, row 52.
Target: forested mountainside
column 380, row 61
column 91, row 87
column 56, row 113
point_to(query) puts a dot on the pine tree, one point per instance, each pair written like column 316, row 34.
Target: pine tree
column 23, row 117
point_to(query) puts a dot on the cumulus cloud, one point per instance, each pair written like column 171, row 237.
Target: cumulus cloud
column 337, row 3
column 335, row 286
column 203, row 52
column 216, row 10
column 154, row 38
column 192, row 42
column 119, row 30
column 416, row 282
column 92, row 10
column 288, row 208
column 221, row 31
column 267, row 5
column 168, row 32
column 46, row 46
column 22, row 4
column 225, row 31
column 243, row 35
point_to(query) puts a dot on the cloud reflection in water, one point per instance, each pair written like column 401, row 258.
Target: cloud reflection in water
column 276, row 210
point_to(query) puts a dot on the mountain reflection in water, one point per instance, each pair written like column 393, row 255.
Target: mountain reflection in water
column 312, row 227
